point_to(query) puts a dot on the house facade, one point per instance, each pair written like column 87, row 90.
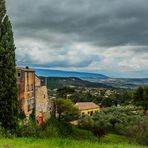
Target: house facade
column 31, row 94
column 42, row 100
column 26, row 89
column 87, row 108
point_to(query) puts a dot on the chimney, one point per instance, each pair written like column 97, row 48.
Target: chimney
column 27, row 67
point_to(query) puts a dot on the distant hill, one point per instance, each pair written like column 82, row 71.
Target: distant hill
column 61, row 73
column 121, row 82
column 59, row 82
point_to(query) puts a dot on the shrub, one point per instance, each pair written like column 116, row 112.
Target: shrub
column 139, row 132
column 6, row 133
column 61, row 128
column 28, row 129
column 86, row 122
column 81, row 134
column 96, row 125
column 99, row 132
column 52, row 128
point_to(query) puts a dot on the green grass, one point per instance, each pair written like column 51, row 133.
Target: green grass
column 113, row 138
column 110, row 141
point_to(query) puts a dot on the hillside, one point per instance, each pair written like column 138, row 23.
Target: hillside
column 59, row 82
column 121, row 82
column 61, row 73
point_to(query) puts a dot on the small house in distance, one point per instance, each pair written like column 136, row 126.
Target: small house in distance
column 87, row 108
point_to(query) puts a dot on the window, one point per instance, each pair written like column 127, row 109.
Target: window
column 88, row 112
column 91, row 113
column 18, row 74
column 31, row 86
column 82, row 113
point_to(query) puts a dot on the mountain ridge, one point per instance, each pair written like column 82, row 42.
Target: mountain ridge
column 63, row 73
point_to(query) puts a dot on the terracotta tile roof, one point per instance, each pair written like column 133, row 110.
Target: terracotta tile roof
column 86, row 105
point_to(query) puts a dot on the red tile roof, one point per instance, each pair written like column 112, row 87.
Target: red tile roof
column 86, row 105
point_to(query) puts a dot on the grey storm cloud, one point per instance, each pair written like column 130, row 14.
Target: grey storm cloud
column 104, row 23
column 58, row 24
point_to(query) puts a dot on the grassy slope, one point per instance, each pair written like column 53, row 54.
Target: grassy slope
column 110, row 141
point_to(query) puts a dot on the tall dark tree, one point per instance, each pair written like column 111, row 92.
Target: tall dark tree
column 140, row 98
column 8, row 88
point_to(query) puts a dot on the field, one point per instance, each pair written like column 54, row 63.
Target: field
column 111, row 141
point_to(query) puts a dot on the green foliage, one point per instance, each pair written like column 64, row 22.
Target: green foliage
column 106, row 102
column 63, row 92
column 62, row 128
column 113, row 119
column 21, row 114
column 8, row 88
column 55, row 129
column 123, row 120
column 99, row 132
column 101, row 120
column 86, row 122
column 81, row 134
column 121, row 116
column 6, row 133
column 83, row 97
column 114, row 138
column 96, row 125
column 139, row 132
column 66, row 110
column 32, row 116
column 28, row 129
column 140, row 98
column 52, row 128
column 109, row 141
column 2, row 9
column 118, row 97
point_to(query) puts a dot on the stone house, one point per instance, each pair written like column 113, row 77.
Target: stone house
column 87, row 108
column 31, row 94
column 26, row 89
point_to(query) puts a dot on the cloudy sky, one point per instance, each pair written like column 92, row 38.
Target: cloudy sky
column 102, row 36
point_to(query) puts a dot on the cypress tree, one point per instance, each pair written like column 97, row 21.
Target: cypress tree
column 8, row 87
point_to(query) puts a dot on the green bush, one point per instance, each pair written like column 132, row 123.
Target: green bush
column 6, row 133
column 139, row 132
column 117, row 119
column 60, row 128
column 52, row 128
column 86, row 123
column 81, row 134
column 28, row 129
